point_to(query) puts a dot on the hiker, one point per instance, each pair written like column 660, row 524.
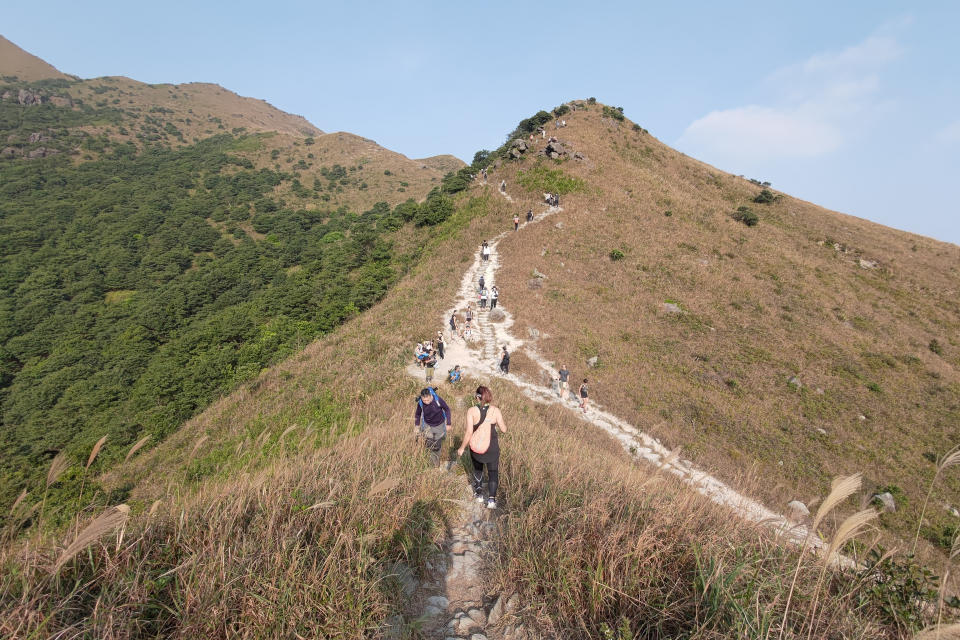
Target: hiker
column 480, row 284
column 494, row 296
column 563, row 377
column 419, row 353
column 556, row 199
column 547, row 197
column 482, row 423
column 530, row 215
column 483, row 298
column 441, row 345
column 429, row 365
column 584, row 398
column 483, row 172
column 453, row 375
column 516, row 222
column 486, row 251
column 431, row 420
column 503, row 186
column 469, row 315
column 453, row 323
column 505, row 362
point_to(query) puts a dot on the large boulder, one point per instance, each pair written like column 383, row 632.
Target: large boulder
column 555, row 150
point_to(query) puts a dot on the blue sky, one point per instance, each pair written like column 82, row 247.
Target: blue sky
column 854, row 106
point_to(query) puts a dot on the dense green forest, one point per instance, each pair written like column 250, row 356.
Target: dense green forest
column 138, row 286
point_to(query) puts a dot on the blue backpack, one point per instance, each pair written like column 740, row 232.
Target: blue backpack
column 436, row 399
column 454, row 375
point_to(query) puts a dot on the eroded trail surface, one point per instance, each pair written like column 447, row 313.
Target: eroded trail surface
column 477, row 615
column 479, row 355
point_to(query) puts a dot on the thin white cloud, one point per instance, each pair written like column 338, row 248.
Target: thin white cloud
column 816, row 106
column 950, row 134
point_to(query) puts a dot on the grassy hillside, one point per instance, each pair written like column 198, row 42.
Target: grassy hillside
column 108, row 110
column 809, row 345
column 17, row 63
column 139, row 282
column 282, row 510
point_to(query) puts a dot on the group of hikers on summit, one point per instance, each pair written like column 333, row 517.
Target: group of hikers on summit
column 482, row 423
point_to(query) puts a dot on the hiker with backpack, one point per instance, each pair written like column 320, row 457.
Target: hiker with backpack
column 480, row 284
column 483, row 298
column 453, row 324
column 516, row 222
column 482, row 424
column 431, row 420
column 505, row 361
column 494, row 296
column 530, row 215
column 485, row 251
column 453, row 375
column 584, row 396
column 441, row 345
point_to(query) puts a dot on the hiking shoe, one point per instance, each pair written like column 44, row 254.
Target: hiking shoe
column 491, row 504
column 478, row 496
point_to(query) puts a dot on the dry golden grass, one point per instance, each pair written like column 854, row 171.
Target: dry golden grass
column 14, row 61
column 262, row 534
column 760, row 305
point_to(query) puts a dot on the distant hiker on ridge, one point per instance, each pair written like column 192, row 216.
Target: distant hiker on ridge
column 483, row 421
column 505, row 362
column 563, row 377
column 431, row 420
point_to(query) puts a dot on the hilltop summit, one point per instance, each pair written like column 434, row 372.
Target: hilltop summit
column 15, row 62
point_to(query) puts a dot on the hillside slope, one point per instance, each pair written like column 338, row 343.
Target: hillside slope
column 15, row 63
column 331, row 170
column 810, row 345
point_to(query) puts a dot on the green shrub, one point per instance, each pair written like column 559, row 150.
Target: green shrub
column 746, row 216
column 668, row 213
column 613, row 112
column 765, row 197
column 562, row 110
column 591, row 100
column 539, row 178
column 616, row 254
column 935, row 347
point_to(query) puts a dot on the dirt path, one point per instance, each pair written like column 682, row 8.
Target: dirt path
column 480, row 357
column 475, row 615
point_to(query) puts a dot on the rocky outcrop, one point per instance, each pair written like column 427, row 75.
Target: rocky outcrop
column 27, row 97
column 61, row 101
column 517, row 148
column 555, row 150
column 9, row 152
column 41, row 152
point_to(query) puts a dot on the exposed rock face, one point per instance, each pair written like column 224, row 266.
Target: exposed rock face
column 886, row 499
column 61, row 101
column 517, row 148
column 26, row 97
column 555, row 150
column 797, row 511
column 41, row 152
column 592, row 362
column 671, row 307
column 9, row 152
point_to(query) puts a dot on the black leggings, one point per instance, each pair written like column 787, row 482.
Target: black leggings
column 493, row 476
